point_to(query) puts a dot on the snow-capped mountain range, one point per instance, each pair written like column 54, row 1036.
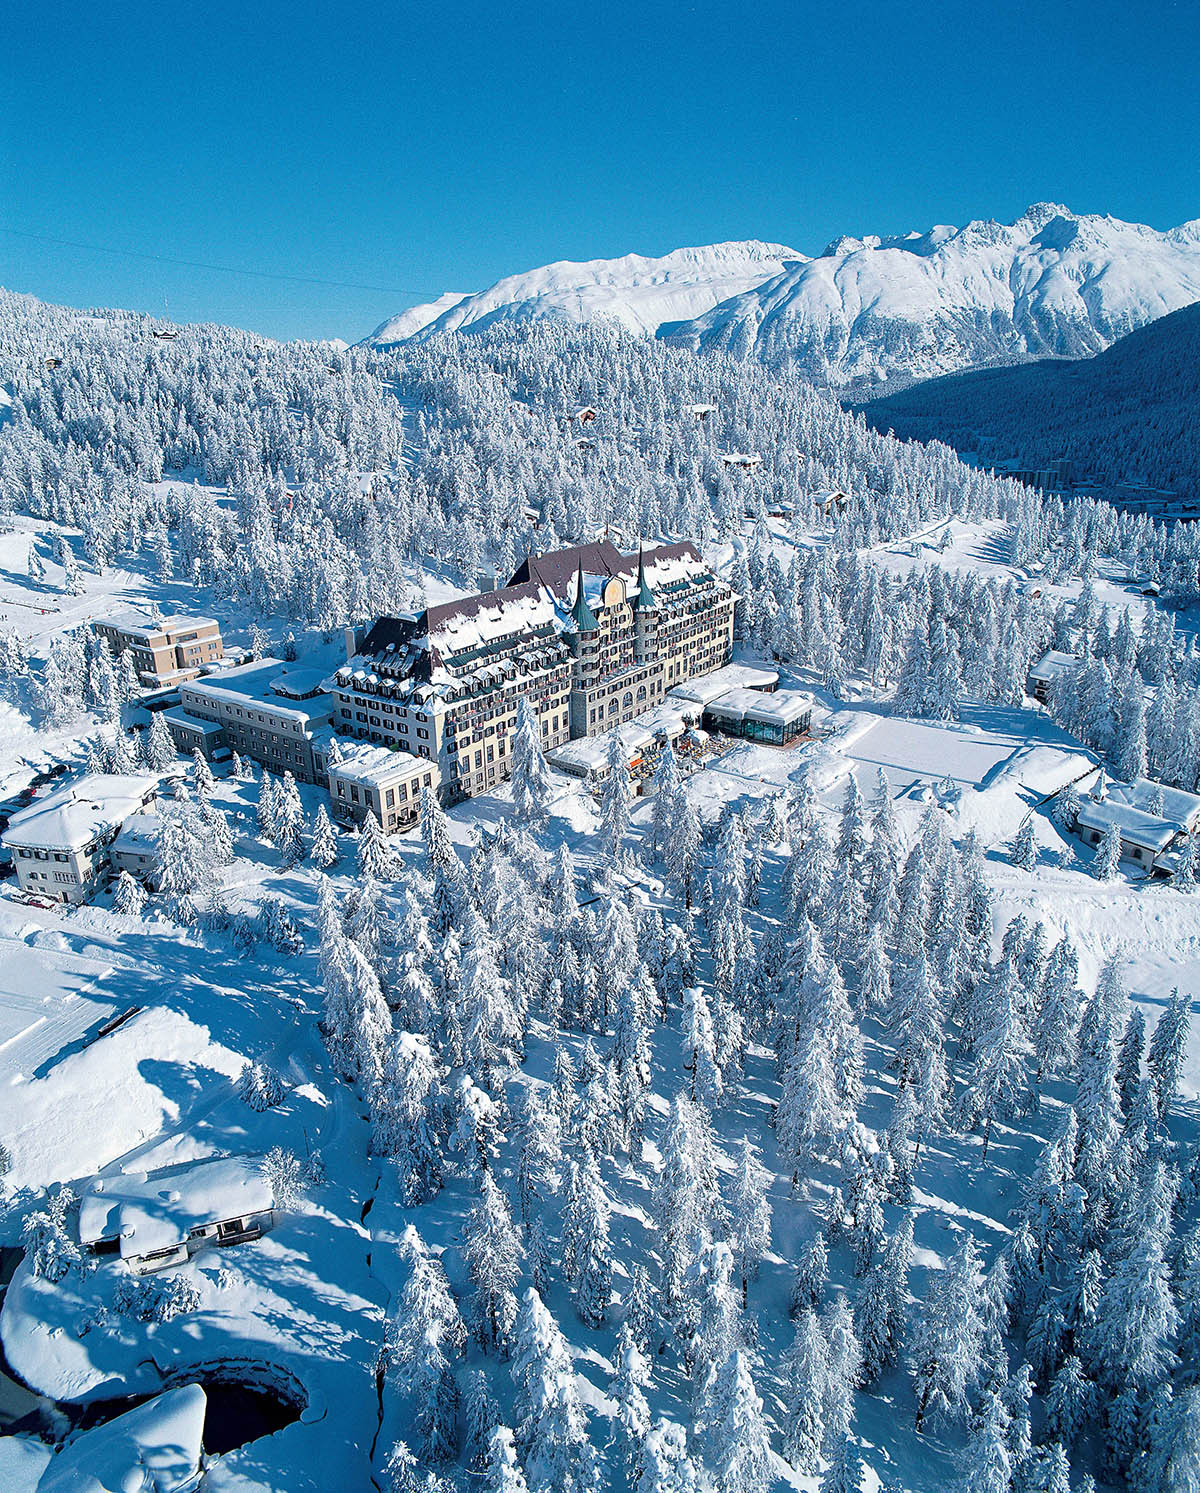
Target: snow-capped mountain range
column 865, row 311
column 638, row 292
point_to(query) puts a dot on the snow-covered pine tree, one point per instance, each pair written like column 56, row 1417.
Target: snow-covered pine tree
column 806, row 1380
column 492, row 1246
column 129, row 896
column 376, row 858
column 627, row 1389
column 502, row 1472
column 1107, row 861
column 949, row 1333
column 323, row 852
column 736, row 1435
column 1024, row 846
column 405, row 1121
column 530, row 775
column 616, row 798
column 749, row 1214
column 552, row 1429
column 1168, row 1045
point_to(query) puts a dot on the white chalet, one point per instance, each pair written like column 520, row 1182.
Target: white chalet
column 62, row 844
column 155, row 1220
column 1050, row 668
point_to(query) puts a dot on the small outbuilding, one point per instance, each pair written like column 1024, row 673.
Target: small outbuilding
column 158, row 1219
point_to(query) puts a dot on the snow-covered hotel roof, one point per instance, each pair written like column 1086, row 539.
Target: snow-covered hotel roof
column 1175, row 805
column 707, row 687
column 373, row 766
column 141, row 624
column 152, row 1212
column 1134, row 826
column 286, row 690
column 72, row 817
column 515, row 632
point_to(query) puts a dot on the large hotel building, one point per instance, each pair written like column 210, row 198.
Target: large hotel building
column 591, row 636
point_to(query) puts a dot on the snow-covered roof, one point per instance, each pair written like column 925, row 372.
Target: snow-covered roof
column 141, row 624
column 783, row 708
column 267, row 682
column 589, row 755
column 1178, row 807
column 1053, row 665
column 1134, row 826
column 672, row 717
column 375, row 766
column 298, row 684
column 706, row 687
column 178, row 717
column 139, row 835
column 151, row 1212
column 153, row 1448
column 73, row 816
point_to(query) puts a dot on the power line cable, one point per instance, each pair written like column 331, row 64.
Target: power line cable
column 225, row 269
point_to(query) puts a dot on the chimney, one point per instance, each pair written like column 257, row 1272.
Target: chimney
column 354, row 636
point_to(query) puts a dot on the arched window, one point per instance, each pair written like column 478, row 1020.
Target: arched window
column 641, row 694
column 628, row 700
column 612, row 706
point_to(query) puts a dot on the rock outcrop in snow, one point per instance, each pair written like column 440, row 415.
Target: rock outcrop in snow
column 639, row 293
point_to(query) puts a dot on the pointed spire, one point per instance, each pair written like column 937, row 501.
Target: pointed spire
column 644, row 600
column 585, row 618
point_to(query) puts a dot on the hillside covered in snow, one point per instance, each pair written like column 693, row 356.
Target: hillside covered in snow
column 634, row 291
column 816, row 1117
column 1130, row 414
column 870, row 310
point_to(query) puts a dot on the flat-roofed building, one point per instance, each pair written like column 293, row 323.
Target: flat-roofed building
column 165, row 650
column 62, row 844
column 367, row 779
column 272, row 712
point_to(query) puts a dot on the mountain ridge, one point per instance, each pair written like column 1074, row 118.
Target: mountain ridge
column 867, row 310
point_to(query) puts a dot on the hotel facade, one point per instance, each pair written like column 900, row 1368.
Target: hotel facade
column 591, row 637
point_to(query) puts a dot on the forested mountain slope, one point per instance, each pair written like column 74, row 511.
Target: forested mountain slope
column 1132, row 413
column 731, row 1137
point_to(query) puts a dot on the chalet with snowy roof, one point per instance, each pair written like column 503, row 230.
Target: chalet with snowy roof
column 744, row 461
column 592, row 637
column 62, row 844
column 1048, row 670
column 154, row 1220
column 830, row 501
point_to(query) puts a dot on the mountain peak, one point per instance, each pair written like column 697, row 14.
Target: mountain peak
column 638, row 291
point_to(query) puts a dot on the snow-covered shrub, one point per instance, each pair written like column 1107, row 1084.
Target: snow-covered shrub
column 49, row 1240
column 156, row 1299
column 277, row 928
column 261, row 1087
column 285, row 1174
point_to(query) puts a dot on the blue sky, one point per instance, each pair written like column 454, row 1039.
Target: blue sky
column 441, row 146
